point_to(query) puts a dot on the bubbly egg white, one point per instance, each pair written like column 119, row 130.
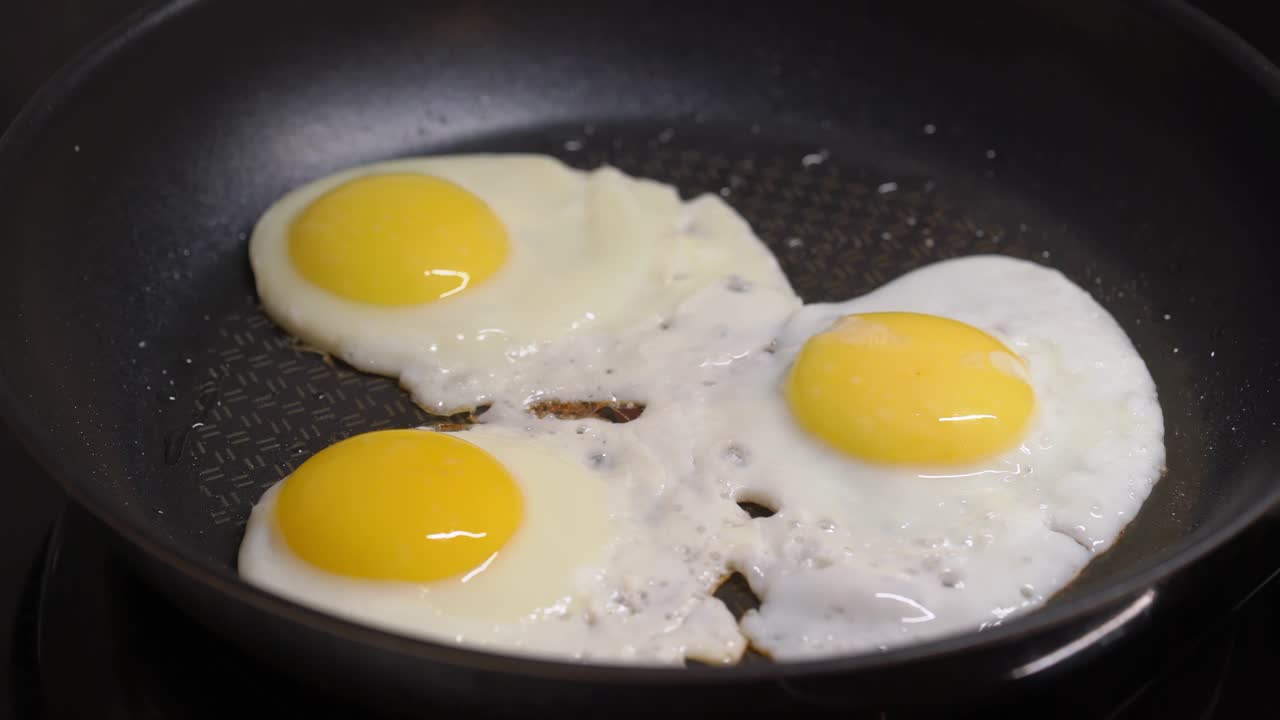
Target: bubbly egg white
column 860, row 557
column 618, row 291
column 593, row 572
column 593, row 252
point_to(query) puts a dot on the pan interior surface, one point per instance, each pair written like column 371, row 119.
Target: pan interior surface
column 858, row 151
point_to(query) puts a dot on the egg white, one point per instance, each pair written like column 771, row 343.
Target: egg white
column 593, row 252
column 616, row 290
column 862, row 556
column 592, row 572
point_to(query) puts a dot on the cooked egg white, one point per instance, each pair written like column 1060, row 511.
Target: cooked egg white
column 463, row 266
column 889, row 530
column 941, row 454
column 546, row 540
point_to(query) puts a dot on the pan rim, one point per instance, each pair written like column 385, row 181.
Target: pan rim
column 1145, row 575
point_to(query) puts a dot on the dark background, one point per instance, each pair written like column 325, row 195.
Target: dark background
column 37, row 37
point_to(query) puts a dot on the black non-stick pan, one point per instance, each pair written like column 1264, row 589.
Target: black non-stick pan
column 1132, row 146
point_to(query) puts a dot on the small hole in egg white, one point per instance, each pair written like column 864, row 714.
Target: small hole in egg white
column 756, row 510
column 610, row 411
column 460, row 420
column 736, row 594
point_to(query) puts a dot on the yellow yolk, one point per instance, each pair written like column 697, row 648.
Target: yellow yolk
column 397, row 239
column 910, row 388
column 410, row 505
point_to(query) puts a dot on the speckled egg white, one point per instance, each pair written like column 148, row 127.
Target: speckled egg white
column 861, row 556
column 616, row 290
column 597, row 571
column 595, row 253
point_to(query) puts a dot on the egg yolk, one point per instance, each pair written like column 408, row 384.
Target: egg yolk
column 409, row 505
column 901, row 388
column 397, row 239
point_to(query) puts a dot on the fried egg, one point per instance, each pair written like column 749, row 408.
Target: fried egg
column 461, row 267
column 544, row 540
column 941, row 454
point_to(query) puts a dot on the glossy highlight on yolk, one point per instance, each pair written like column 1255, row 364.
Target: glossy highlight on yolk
column 397, row 239
column 899, row 387
column 407, row 505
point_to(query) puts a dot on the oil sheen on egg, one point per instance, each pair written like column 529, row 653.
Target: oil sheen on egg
column 888, row 531
column 544, row 539
column 454, row 269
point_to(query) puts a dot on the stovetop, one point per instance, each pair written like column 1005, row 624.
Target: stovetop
column 82, row 637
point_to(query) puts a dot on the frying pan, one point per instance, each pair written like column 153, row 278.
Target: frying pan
column 1130, row 145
